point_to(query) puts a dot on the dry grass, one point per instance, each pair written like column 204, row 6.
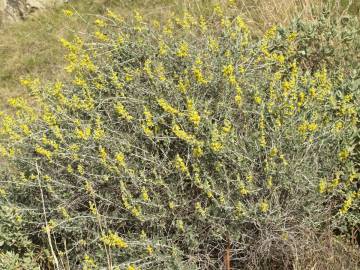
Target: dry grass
column 32, row 47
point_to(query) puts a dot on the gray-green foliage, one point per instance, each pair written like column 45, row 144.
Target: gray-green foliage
column 176, row 143
column 15, row 246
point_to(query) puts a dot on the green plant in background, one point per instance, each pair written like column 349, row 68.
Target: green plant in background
column 335, row 42
column 176, row 143
column 16, row 248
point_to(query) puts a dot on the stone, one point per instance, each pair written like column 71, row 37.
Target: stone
column 15, row 10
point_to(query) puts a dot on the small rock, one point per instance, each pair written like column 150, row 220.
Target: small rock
column 15, row 10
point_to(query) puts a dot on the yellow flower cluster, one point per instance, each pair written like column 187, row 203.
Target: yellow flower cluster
column 180, row 165
column 43, row 152
column 113, row 240
column 167, row 107
column 199, row 209
column 264, row 206
column 183, row 50
column 228, row 72
column 149, row 124
column 193, row 115
column 83, row 134
column 347, row 203
column 197, row 71
column 122, row 112
column 307, row 127
column 102, row 154
column 120, row 159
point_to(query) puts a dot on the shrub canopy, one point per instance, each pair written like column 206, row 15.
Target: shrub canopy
column 176, row 143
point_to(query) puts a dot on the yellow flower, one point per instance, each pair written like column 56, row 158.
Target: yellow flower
column 312, row 127
column 199, row 75
column 269, row 182
column 227, row 126
column 131, row 267
column 225, row 22
column 89, row 263
column 180, row 165
column 80, row 169
column 122, row 112
column 262, row 140
column 99, row 134
column 264, row 206
column 114, row 16
column 197, row 151
column 216, row 146
column 2, row 192
column 136, row 211
column 87, row 63
column 238, row 97
column 180, row 225
column 100, row 23
column 147, row 67
column 243, row 190
column 347, row 203
column 68, row 12
column 93, row 208
column 241, row 25
column 120, row 159
column 43, row 152
column 64, row 213
column 69, row 169
column 218, row 10
column 183, row 50
column 338, row 126
column 138, row 17
column 144, row 194
column 102, row 153
column 113, row 240
column 307, row 127
column 162, row 48
column 193, row 115
column 89, row 188
column 257, row 99
column 148, row 132
column 283, row 159
column 167, row 107
column 101, row 36
column 273, row 151
column 344, row 154
column 239, row 208
column 160, row 71
column 148, row 117
column 149, row 249
column 228, row 70
column 202, row 24
column 171, row 205
column 83, row 134
column 292, row 36
column 183, row 85
column 335, row 182
column 199, row 209
column 181, row 134
column 214, row 45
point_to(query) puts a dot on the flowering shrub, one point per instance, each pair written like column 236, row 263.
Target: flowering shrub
column 181, row 146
